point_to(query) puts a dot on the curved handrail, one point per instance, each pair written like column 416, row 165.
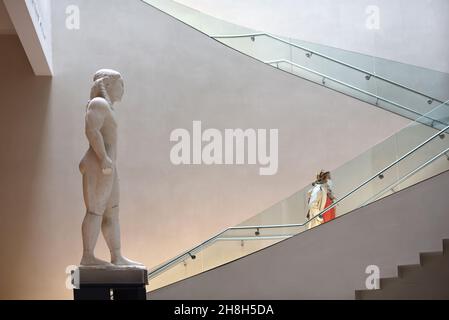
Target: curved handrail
column 166, row 265
column 253, row 35
column 404, row 178
column 271, row 62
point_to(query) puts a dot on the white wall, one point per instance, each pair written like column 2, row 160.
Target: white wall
column 413, row 32
column 173, row 75
column 32, row 22
column 40, row 11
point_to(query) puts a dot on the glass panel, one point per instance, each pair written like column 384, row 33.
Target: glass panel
column 399, row 86
column 230, row 246
column 406, row 90
column 261, row 47
column 336, row 74
column 224, row 251
column 198, row 20
column 357, row 183
column 185, row 268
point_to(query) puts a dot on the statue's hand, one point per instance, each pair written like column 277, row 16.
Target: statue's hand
column 106, row 166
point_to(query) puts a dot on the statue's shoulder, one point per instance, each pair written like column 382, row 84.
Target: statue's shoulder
column 98, row 104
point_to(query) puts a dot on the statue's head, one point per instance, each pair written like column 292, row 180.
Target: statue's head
column 108, row 84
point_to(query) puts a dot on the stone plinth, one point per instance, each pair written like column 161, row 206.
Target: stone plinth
column 110, row 283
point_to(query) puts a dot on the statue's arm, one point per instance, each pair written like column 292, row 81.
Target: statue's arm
column 96, row 113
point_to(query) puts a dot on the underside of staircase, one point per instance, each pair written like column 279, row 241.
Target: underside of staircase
column 427, row 280
column 331, row 261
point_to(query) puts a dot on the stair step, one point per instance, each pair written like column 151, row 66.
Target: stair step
column 428, row 257
column 407, row 270
column 431, row 263
column 367, row 294
column 446, row 246
column 427, row 281
column 405, row 291
column 385, row 283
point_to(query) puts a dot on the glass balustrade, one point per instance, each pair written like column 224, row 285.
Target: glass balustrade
column 365, row 84
column 407, row 90
column 417, row 152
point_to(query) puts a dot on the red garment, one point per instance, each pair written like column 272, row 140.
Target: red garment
column 329, row 215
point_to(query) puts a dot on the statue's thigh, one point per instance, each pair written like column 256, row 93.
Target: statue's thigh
column 97, row 191
column 114, row 198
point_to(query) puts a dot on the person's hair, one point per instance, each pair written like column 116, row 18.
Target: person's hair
column 101, row 79
column 322, row 176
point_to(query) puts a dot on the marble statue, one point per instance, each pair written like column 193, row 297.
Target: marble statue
column 99, row 171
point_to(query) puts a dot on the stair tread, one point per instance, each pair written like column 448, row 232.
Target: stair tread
column 446, row 246
column 405, row 270
column 431, row 254
column 427, row 280
column 408, row 291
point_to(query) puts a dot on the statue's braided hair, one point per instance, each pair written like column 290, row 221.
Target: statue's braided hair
column 102, row 78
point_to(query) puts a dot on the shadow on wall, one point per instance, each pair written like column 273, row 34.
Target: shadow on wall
column 22, row 135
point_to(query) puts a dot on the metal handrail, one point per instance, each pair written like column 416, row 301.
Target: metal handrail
column 166, row 265
column 404, row 178
column 327, row 58
column 255, row 238
column 352, row 87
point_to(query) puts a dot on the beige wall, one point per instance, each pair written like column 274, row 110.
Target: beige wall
column 6, row 26
column 173, row 75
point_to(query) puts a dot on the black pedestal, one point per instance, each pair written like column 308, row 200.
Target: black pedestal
column 110, row 283
column 130, row 294
column 86, row 293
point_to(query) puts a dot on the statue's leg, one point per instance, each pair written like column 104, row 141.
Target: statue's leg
column 97, row 188
column 111, row 226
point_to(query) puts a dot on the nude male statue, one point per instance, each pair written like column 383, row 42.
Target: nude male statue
column 99, row 171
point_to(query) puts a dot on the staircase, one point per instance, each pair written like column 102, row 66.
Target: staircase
column 329, row 262
column 365, row 184
column 427, row 280
column 412, row 155
column 367, row 78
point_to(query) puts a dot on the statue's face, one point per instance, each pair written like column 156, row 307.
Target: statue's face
column 117, row 89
